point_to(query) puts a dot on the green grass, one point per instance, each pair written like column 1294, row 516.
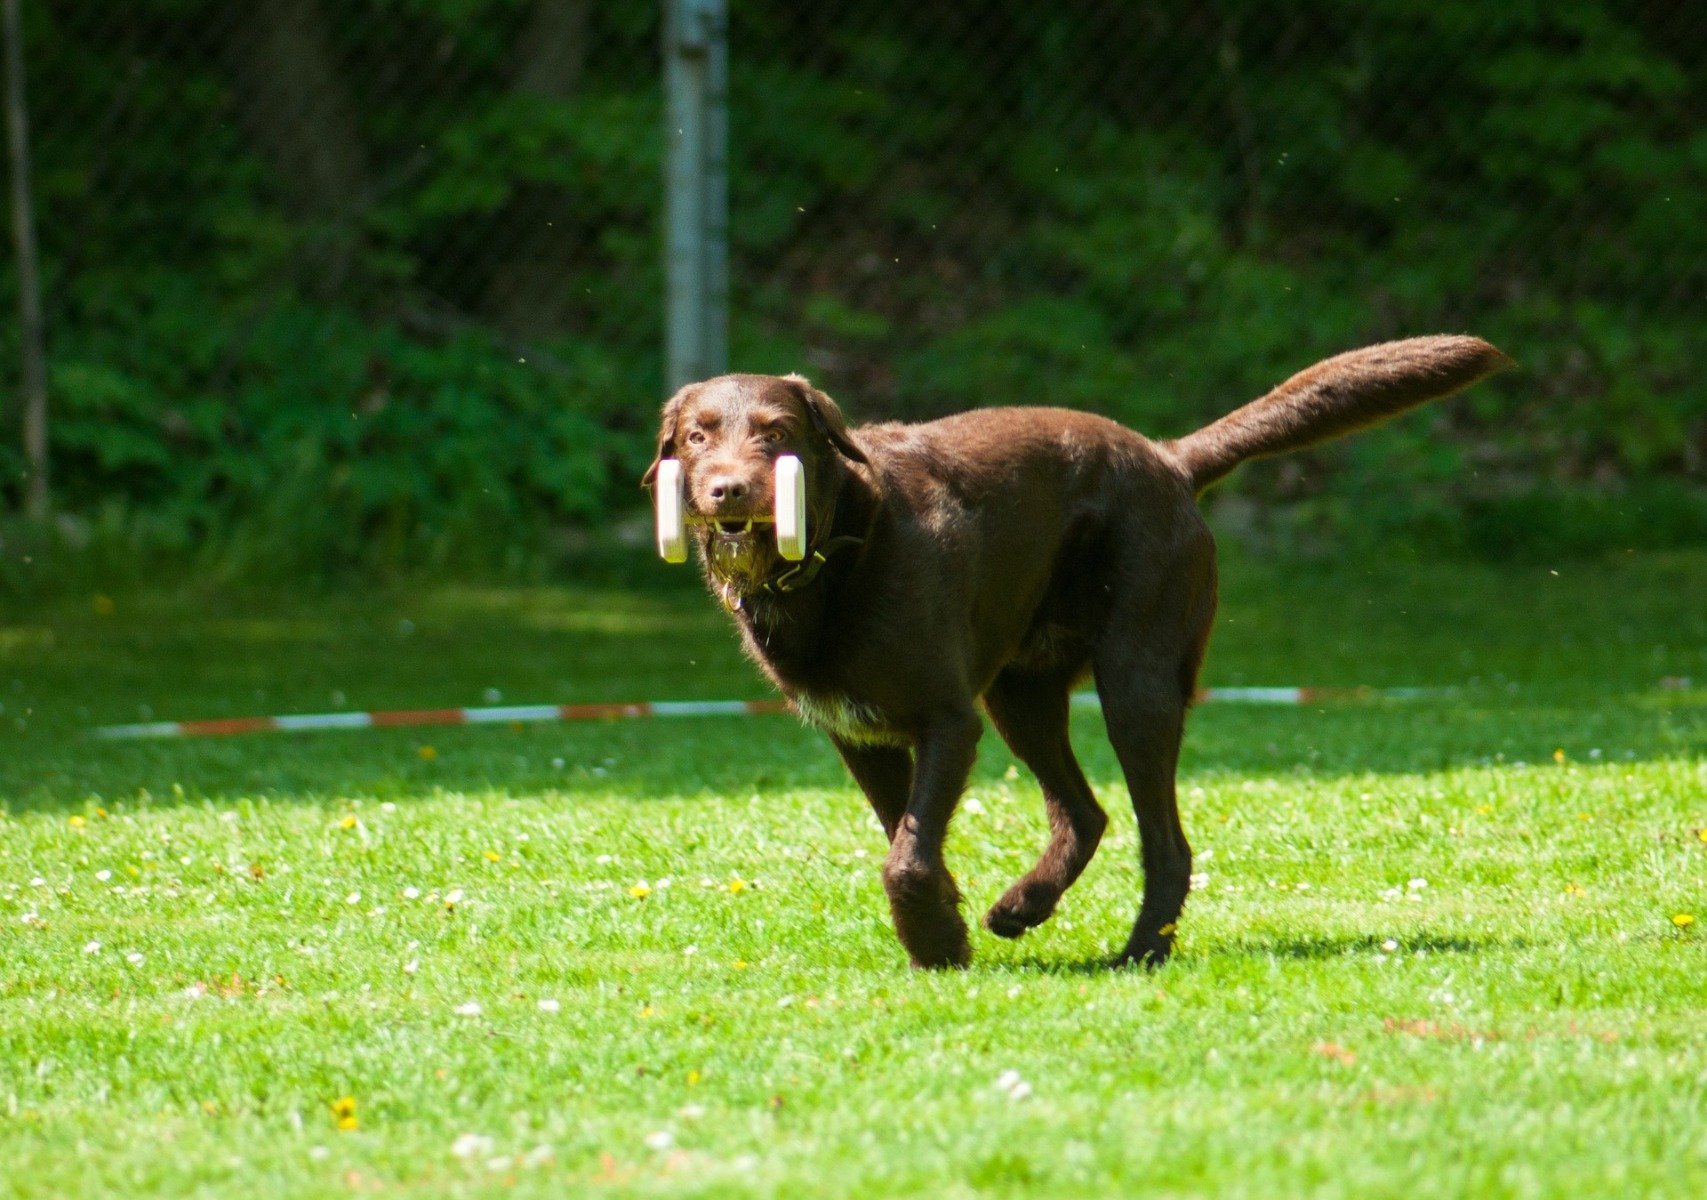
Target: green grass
column 204, row 945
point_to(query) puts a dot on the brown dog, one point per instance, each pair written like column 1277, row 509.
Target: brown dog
column 1003, row 555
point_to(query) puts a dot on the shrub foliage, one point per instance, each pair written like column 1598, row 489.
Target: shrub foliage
column 379, row 281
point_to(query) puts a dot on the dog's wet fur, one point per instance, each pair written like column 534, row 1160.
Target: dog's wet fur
column 1001, row 555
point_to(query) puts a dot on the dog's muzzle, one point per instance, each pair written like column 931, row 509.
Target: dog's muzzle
column 788, row 509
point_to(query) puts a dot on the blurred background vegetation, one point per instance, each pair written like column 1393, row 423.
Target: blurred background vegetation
column 374, row 286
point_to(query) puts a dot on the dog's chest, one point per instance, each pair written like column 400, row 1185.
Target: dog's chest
column 846, row 719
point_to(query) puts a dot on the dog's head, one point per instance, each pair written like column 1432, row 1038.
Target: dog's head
column 728, row 433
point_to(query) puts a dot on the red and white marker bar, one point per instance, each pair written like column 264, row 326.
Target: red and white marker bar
column 519, row 713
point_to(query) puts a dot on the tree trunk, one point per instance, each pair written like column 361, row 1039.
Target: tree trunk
column 526, row 295
column 295, row 106
column 30, row 335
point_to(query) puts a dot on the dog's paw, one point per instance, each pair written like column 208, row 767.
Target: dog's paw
column 1147, row 951
column 926, row 908
column 1020, row 908
column 945, row 956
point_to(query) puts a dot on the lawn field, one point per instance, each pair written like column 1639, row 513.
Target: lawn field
column 1443, row 947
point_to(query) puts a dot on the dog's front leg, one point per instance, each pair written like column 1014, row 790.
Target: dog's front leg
column 922, row 896
column 885, row 775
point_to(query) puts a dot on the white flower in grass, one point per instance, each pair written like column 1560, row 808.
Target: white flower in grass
column 134, row 958
column 471, row 1009
column 548, row 1005
column 1011, row 1082
column 538, row 1156
column 1389, row 946
column 103, row 874
column 454, row 896
column 471, row 1145
column 353, row 898
column 411, row 893
column 660, row 1140
column 92, row 948
column 972, row 807
column 1416, row 885
column 410, row 967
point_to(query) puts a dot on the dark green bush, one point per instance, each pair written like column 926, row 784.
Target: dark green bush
column 434, row 336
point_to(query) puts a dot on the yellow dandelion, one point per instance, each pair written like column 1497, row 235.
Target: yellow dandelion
column 740, row 964
column 1484, row 809
column 693, row 1078
column 1701, row 834
column 1574, row 889
column 1559, row 756
column 737, row 885
column 76, row 822
column 349, row 822
column 645, row 1011
column 344, row 1109
column 492, row 856
column 427, row 753
column 1683, row 920
column 640, row 890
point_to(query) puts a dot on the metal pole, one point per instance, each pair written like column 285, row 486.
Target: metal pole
column 29, row 287
column 696, row 195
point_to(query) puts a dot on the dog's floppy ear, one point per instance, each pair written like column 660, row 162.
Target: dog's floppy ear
column 666, row 434
column 827, row 419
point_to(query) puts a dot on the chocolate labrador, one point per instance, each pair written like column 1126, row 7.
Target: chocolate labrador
column 999, row 555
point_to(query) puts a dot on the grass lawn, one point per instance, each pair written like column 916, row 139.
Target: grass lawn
column 1434, row 950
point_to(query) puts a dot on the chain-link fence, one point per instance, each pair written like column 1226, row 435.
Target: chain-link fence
column 384, row 275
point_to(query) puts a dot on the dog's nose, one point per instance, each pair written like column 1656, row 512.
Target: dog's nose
column 728, row 489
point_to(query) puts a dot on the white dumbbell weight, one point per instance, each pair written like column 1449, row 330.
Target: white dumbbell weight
column 672, row 515
column 790, row 508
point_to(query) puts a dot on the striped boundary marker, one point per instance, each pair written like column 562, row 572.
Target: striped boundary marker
column 523, row 713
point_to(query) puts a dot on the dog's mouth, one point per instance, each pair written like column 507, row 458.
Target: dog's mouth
column 738, row 548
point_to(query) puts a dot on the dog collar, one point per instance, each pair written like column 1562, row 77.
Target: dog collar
column 796, row 577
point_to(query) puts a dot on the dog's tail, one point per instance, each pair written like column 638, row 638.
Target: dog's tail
column 1337, row 396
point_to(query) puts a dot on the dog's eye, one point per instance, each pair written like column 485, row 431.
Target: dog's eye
column 772, row 436
column 696, row 438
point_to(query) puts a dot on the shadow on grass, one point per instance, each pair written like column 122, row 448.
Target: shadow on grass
column 1305, row 949
column 1227, row 751
column 66, row 670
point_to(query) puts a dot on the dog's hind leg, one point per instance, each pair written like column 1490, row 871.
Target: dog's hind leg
column 1146, row 716
column 1145, row 662
column 1030, row 712
column 884, row 774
